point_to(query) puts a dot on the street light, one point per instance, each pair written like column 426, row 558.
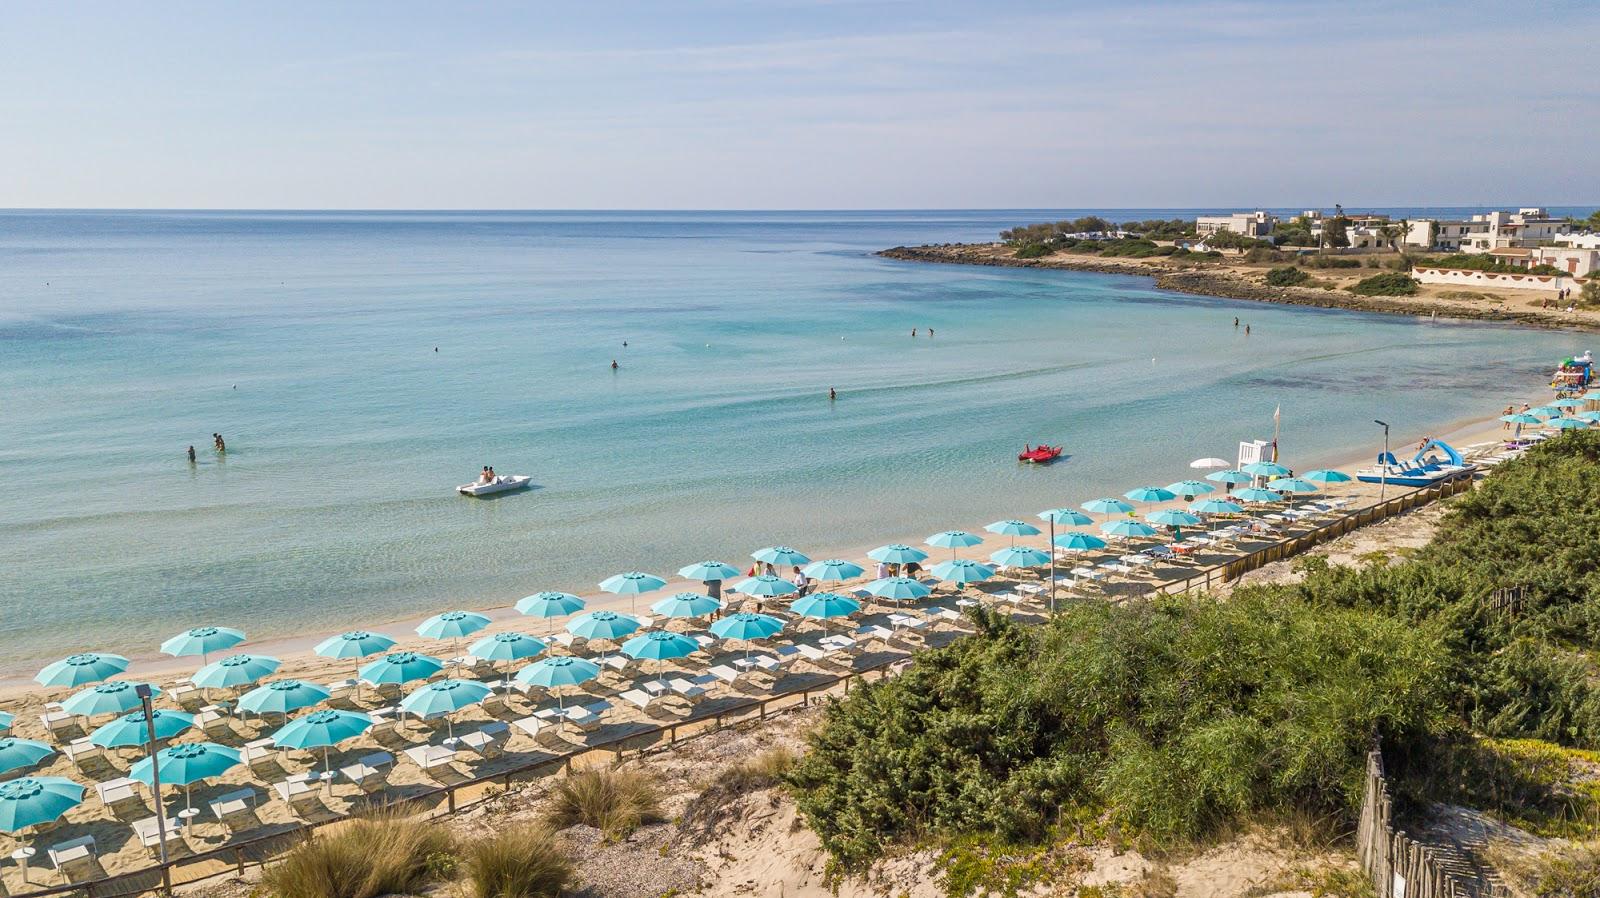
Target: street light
column 142, row 690
column 1383, row 463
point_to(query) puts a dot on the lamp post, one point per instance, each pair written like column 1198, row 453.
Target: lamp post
column 1383, row 463
column 143, row 692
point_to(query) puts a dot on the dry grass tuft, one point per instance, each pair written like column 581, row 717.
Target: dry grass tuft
column 616, row 802
column 368, row 857
column 521, row 862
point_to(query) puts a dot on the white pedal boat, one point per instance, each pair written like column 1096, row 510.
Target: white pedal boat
column 498, row 485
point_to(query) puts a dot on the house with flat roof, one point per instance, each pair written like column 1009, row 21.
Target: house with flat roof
column 1248, row 224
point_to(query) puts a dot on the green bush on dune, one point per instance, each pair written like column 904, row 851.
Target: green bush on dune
column 1390, row 283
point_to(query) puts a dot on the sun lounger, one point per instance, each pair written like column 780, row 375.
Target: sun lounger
column 259, row 751
column 637, row 697
column 615, row 661
column 297, row 788
column 431, row 757
column 79, row 852
column 184, row 691
column 484, row 741
column 586, row 717
column 757, row 662
column 839, row 642
column 529, row 725
column 725, row 673
column 687, row 689
column 371, row 772
column 906, row 621
column 55, row 722
column 116, row 791
column 149, row 832
column 80, row 750
column 212, row 720
column 232, row 804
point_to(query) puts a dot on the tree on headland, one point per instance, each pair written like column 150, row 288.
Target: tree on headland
column 1336, row 232
column 1593, row 221
column 1589, row 296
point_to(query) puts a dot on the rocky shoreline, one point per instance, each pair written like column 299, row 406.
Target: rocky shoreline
column 1198, row 279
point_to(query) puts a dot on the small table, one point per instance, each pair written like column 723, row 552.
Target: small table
column 22, row 856
column 186, row 817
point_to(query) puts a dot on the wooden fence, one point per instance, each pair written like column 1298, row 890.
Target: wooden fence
column 1402, row 867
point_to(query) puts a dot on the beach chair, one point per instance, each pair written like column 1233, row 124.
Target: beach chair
column 259, row 752
column 213, row 721
column 80, row 750
column 637, row 697
column 727, row 674
column 787, row 653
column 341, row 688
column 184, row 691
column 76, row 853
column 230, row 808
column 587, row 718
column 431, row 757
column 57, row 722
column 298, row 789
column 121, row 790
column 370, row 773
column 148, row 831
column 529, row 725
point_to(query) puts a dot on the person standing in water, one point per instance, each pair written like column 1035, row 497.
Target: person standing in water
column 1235, row 324
column 613, row 364
column 930, row 331
column 221, row 446
column 832, row 394
column 1247, row 330
column 191, row 455
column 913, row 332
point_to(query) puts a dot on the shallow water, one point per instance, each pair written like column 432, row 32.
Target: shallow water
column 308, row 341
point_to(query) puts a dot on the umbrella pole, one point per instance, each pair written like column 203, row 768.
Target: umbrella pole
column 1052, row 564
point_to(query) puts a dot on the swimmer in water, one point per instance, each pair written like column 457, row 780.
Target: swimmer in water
column 613, row 364
column 832, row 394
column 191, row 455
column 913, row 332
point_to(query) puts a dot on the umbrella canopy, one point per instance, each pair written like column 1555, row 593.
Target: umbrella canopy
column 1019, row 556
column 1127, row 528
column 766, row 586
column 512, row 646
column 1265, row 469
column 550, row 604
column 1326, row 475
column 321, row 729
column 558, row 670
column 686, row 604
column 825, row 605
column 1013, row 528
column 833, row 569
column 1215, row 506
column 1078, row 541
column 235, row 670
column 897, row 588
column 110, row 697
column 282, row 696
column 16, row 753
column 81, row 669
column 1255, row 494
column 781, row 555
column 1520, row 418
column 632, row 583
column 746, row 626
column 897, row 553
column 6, row 719
column 1291, row 485
column 202, row 641
column 602, row 625
column 1588, row 416
column 1173, row 518
column 33, row 800
column 354, row 644
column 188, row 763
column 963, row 570
column 401, row 667
column 1234, row 477
column 953, row 539
column 660, row 645
column 1149, row 494
column 706, row 571
column 130, row 729
column 1065, row 517
column 1545, row 411
column 1203, row 463
column 444, row 697
column 1568, row 424
column 1107, row 506
column 1569, row 402
column 1190, row 488
column 452, row 625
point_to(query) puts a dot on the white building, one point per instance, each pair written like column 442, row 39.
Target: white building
column 1522, row 229
column 1248, row 224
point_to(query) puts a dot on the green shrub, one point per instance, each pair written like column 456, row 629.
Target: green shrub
column 365, row 858
column 1319, row 261
column 1262, row 254
column 1287, row 276
column 1034, row 250
column 616, row 802
column 1390, row 283
column 520, row 862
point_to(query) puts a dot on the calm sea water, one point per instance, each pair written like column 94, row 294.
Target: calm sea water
column 308, row 341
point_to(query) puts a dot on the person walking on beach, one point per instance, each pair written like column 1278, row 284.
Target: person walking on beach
column 191, row 455
column 801, row 581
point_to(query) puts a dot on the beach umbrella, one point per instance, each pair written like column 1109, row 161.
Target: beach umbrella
column 1065, row 517
column 780, row 556
column 1149, row 494
column 1020, row 556
column 833, row 569
column 897, row 553
column 686, row 604
column 659, row 645
column 962, row 570
column 1173, row 518
column 1234, row 477
column 1127, row 529
column 110, row 697
column 631, row 584
column 1013, row 528
column 442, row 698
column 1078, row 541
column 32, row 800
column 1107, row 506
column 953, row 540
column 235, row 670
column 81, row 669
column 1569, row 402
column 1592, row 395
column 452, row 625
column 185, row 764
column 1265, row 469
column 556, row 671
column 1203, row 463
column 825, row 605
column 602, row 625
column 549, row 605
column 1520, row 418
column 130, row 729
column 1190, row 488
column 17, row 753
column 707, row 571
column 401, row 667
column 6, row 719
column 202, row 641
column 1545, row 411
column 1255, row 494
column 1568, row 424
column 282, row 696
column 1291, row 485
column 354, row 644
column 897, row 588
column 746, row 627
column 765, row 586
column 511, row 646
column 1215, row 506
column 1591, row 417
column 321, row 729
column 1326, row 475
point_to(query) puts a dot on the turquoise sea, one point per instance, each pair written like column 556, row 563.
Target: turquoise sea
column 308, row 340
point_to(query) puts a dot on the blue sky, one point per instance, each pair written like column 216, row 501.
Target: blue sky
column 824, row 104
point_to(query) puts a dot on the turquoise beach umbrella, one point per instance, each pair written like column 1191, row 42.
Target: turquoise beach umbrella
column 766, row 586
column 1149, row 494
column 660, row 645
column 1013, row 528
column 400, row 667
column 32, row 800
column 897, row 588
column 1190, row 488
column 953, row 539
column 1078, row 541
column 746, row 626
column 897, row 553
column 321, row 729
column 1545, row 411
column 110, row 697
column 1234, row 477
column 282, row 696
column 1326, row 475
column 1591, row 417
column 510, row 646
column 452, row 625
column 1256, row 494
column 202, row 641
column 1215, row 506
column 1019, row 556
column 81, row 669
column 1568, row 424
column 1291, row 485
column 6, row 719
column 781, row 556
column 963, row 570
column 602, row 625
column 17, row 753
column 707, row 571
column 1568, row 403
column 354, row 644
column 130, row 729
column 1128, row 529
column 1265, row 469
column 187, row 763
column 1521, row 418
column 1173, row 518
column 235, row 670
column 833, row 569
column 550, row 604
column 686, row 604
column 1065, row 517
column 1107, row 506
column 825, row 605
column 557, row 671
column 632, row 583
column 442, row 697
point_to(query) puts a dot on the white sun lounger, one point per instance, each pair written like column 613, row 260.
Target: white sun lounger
column 233, row 803
column 71, row 853
column 430, row 757
column 149, row 832
column 116, row 790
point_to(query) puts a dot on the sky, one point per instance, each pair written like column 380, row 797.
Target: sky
column 797, row 104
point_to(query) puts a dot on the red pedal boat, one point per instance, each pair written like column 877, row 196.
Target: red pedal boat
column 1037, row 454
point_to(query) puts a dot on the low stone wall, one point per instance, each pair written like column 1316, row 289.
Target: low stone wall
column 1466, row 277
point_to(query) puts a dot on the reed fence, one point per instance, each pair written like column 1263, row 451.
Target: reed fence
column 1400, row 866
